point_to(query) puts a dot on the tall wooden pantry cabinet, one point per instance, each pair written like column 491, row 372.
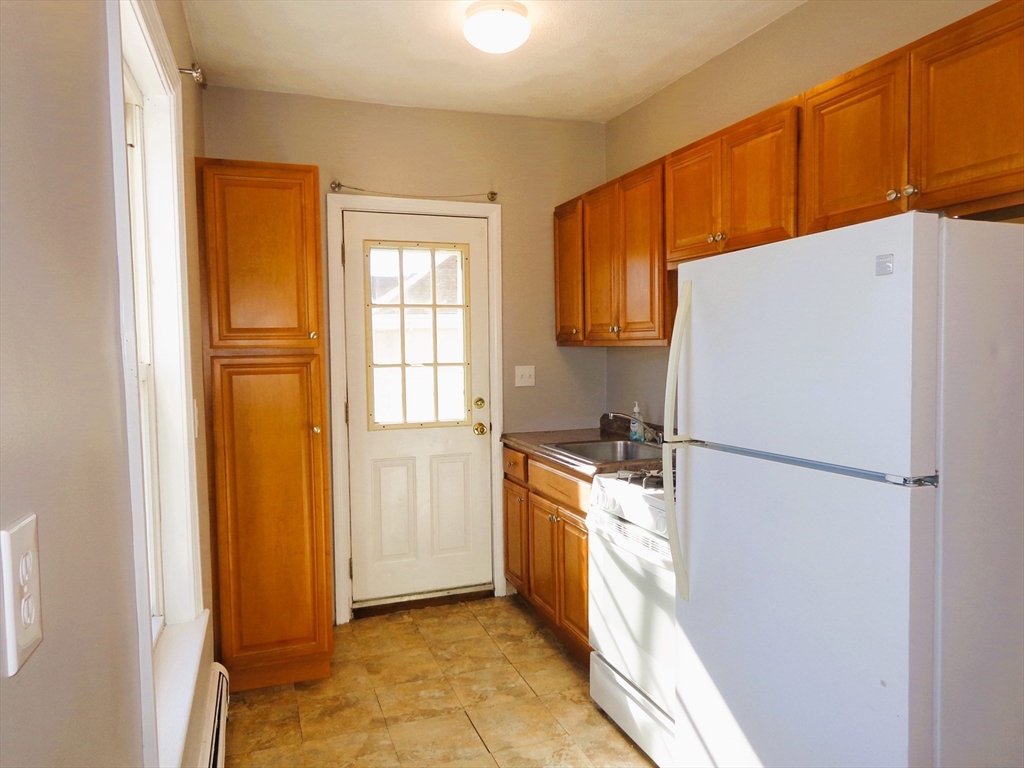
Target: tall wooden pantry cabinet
column 263, row 352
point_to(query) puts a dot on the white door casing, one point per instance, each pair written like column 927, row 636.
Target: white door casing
column 433, row 543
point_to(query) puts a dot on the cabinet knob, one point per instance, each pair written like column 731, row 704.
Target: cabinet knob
column 720, row 236
column 510, row 463
column 552, row 519
column 519, row 499
column 711, row 238
column 316, row 430
column 312, row 334
column 909, row 190
column 891, row 195
column 575, row 331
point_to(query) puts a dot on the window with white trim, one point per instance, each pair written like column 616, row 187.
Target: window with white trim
column 417, row 320
column 142, row 291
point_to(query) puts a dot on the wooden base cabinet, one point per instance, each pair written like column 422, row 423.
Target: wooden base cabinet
column 517, row 537
column 543, row 557
column 546, row 545
column 273, row 540
column 264, row 363
column 572, row 573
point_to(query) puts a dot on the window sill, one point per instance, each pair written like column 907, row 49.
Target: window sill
column 176, row 659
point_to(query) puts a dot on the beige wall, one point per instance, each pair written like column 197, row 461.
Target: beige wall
column 173, row 17
column 63, row 452
column 813, row 43
column 533, row 164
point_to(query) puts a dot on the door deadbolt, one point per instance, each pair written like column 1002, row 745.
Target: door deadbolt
column 479, row 403
column 479, row 429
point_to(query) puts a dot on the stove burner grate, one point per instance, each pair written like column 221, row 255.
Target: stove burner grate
column 648, row 479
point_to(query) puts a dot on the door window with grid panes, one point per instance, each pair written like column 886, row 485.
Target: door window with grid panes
column 417, row 320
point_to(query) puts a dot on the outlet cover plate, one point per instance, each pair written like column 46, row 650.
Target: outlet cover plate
column 22, row 619
column 525, row 376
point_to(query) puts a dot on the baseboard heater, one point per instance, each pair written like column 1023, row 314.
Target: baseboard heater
column 215, row 743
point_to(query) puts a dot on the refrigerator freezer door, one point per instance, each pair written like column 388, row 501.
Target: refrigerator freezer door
column 807, row 638
column 821, row 347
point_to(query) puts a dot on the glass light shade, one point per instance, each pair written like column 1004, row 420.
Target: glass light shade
column 496, row 26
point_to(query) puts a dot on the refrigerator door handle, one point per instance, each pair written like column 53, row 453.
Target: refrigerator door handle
column 675, row 355
column 680, row 549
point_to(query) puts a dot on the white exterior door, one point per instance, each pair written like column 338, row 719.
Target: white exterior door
column 416, row 319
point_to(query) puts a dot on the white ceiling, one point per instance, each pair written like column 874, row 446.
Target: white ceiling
column 585, row 59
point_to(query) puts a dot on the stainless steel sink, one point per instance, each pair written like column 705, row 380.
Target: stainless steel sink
column 607, row 451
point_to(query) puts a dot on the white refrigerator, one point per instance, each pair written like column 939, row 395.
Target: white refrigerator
column 845, row 412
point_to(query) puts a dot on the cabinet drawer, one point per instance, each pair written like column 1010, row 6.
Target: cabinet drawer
column 560, row 487
column 514, row 463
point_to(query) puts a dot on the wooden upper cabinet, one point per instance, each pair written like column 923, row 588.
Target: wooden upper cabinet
column 601, row 242
column 734, row 190
column 641, row 310
column 693, row 201
column 569, row 272
column 967, row 110
column 262, row 243
column 273, row 547
column 759, row 172
column 854, row 139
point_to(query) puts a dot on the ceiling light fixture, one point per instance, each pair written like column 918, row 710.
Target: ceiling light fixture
column 496, row 26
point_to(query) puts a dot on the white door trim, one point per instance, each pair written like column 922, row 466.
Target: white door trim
column 337, row 204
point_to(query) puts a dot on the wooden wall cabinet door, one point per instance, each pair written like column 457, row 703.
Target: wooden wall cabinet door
column 602, row 231
column 641, row 306
column 967, row 110
column 516, row 537
column 569, row 273
column 693, row 201
column 854, row 140
column 261, row 229
column 272, row 527
column 263, row 359
column 759, row 173
column 573, row 589
column 543, row 556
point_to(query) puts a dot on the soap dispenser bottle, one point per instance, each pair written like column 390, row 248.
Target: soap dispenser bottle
column 636, row 430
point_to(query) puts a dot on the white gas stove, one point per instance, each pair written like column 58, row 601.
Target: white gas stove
column 632, row 608
column 637, row 497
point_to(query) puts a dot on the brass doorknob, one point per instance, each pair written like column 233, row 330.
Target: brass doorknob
column 479, row 429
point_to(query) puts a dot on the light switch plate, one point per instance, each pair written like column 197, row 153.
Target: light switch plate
column 23, row 618
column 525, row 376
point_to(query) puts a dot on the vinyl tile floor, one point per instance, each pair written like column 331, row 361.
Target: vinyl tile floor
column 481, row 683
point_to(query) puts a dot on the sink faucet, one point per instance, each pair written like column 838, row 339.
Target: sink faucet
column 650, row 433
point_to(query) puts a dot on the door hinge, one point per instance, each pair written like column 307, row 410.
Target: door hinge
column 350, row 567
column 343, row 253
column 346, row 412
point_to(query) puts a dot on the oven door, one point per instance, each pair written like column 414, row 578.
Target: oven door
column 632, row 604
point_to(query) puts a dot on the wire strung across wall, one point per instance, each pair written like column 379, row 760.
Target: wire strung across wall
column 337, row 186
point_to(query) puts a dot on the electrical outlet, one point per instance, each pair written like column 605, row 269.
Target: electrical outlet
column 525, row 376
column 23, row 619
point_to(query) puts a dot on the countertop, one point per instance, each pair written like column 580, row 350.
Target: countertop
column 534, row 443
